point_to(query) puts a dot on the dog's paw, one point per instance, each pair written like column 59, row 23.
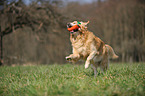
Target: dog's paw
column 68, row 58
column 86, row 66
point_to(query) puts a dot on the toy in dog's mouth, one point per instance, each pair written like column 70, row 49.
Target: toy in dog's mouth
column 72, row 29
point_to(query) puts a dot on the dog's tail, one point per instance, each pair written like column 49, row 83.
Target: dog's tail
column 111, row 52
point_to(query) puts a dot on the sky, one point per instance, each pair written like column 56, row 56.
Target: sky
column 83, row 1
column 80, row 1
column 66, row 1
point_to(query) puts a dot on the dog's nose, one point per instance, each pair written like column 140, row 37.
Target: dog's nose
column 69, row 25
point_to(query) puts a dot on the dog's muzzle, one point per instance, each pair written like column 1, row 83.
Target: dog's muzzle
column 69, row 25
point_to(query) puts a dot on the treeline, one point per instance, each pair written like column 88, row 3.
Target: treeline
column 36, row 33
column 120, row 23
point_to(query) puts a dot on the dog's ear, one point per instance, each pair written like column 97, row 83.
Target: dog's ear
column 84, row 24
column 87, row 23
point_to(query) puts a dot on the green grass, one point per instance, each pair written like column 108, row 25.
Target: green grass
column 72, row 80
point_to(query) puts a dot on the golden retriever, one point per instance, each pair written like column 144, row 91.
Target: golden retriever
column 88, row 47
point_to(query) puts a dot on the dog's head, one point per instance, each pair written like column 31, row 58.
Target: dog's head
column 76, row 26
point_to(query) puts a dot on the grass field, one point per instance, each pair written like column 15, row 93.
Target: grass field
column 72, row 80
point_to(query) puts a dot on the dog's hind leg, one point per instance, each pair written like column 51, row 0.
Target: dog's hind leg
column 104, row 65
column 94, row 69
column 90, row 57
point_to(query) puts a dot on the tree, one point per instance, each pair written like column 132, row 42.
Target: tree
column 17, row 15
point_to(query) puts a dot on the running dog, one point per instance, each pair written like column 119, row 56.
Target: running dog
column 88, row 47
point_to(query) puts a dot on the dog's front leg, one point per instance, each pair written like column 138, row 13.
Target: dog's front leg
column 90, row 57
column 73, row 57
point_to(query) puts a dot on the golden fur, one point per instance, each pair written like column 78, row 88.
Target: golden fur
column 90, row 48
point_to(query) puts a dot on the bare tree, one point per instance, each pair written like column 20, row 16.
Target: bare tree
column 17, row 15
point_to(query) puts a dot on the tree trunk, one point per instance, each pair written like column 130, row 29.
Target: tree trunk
column 1, row 48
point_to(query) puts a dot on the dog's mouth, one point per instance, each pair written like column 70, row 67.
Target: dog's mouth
column 73, row 30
